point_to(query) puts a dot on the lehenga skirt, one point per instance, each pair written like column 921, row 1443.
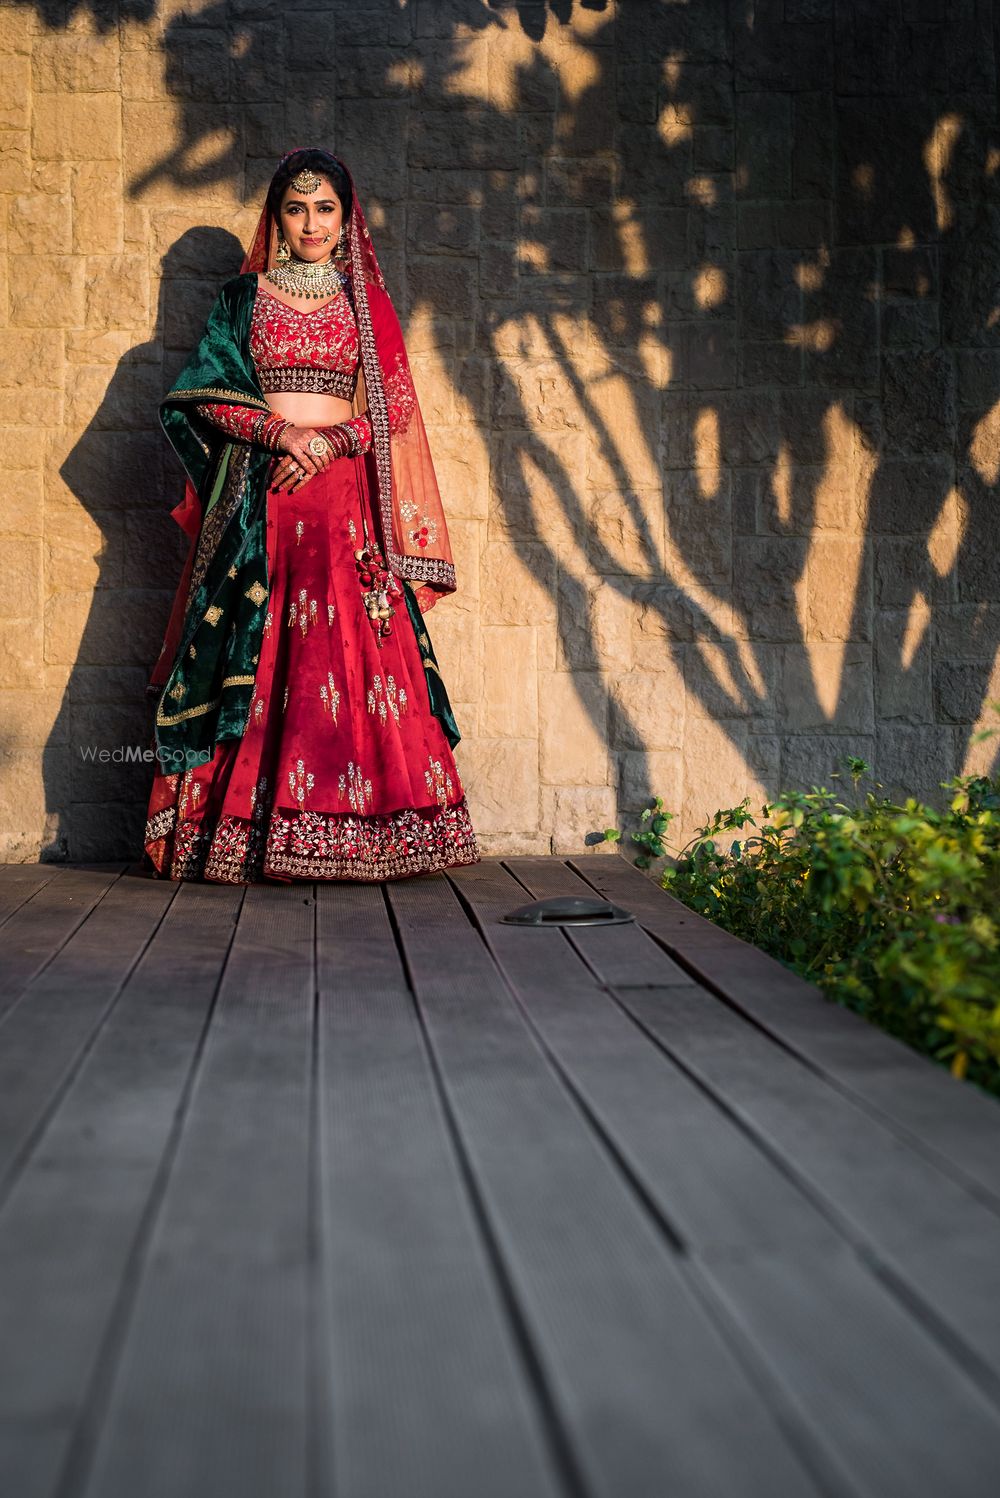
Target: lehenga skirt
column 343, row 771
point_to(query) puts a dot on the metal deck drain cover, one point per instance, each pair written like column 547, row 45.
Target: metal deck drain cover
column 568, row 910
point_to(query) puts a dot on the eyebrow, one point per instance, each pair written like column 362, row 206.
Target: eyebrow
column 305, row 201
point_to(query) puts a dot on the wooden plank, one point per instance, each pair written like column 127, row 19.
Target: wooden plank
column 631, row 1360
column 936, row 1239
column 46, row 1033
column 430, row 1398
column 900, row 1419
column 35, row 932
column 855, row 1323
column 209, row 1390
column 953, row 1121
column 18, row 882
column 75, row 1215
column 920, row 1225
column 714, row 1185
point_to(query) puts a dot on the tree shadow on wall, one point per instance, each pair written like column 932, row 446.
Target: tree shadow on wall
column 116, row 557
column 103, row 14
column 782, row 245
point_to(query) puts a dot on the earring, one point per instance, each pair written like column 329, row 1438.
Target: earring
column 343, row 248
column 283, row 252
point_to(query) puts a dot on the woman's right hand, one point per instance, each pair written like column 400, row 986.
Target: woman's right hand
column 297, row 464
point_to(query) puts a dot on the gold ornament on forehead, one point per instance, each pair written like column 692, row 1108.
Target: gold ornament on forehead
column 306, row 181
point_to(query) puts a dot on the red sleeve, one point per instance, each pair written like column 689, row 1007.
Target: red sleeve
column 400, row 398
column 238, row 421
column 426, row 598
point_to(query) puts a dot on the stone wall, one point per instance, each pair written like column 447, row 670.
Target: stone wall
column 701, row 304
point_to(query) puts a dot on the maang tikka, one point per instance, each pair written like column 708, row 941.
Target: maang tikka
column 306, row 181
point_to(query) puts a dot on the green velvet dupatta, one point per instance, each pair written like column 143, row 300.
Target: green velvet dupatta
column 209, row 688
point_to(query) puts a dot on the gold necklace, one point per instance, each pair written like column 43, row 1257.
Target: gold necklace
column 307, row 279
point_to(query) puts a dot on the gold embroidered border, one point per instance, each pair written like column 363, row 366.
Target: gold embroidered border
column 160, row 823
column 307, row 377
column 165, row 720
column 219, row 516
column 234, row 850
column 214, row 393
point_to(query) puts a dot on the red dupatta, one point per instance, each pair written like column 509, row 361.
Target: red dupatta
column 406, row 502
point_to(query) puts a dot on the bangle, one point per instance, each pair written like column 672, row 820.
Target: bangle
column 339, row 439
column 271, row 429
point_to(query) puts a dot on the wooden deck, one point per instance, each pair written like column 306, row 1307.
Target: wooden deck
column 351, row 1190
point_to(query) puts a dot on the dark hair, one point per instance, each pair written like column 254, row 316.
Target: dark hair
column 314, row 160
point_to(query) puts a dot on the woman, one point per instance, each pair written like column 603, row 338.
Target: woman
column 302, row 729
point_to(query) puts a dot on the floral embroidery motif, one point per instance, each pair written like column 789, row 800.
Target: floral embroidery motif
column 284, row 337
column 383, row 700
column 439, row 782
column 258, row 711
column 400, row 396
column 285, row 702
column 268, row 621
column 344, row 846
column 329, row 696
column 178, row 691
column 303, row 613
column 352, row 529
column 309, row 844
column 426, row 534
column 160, row 823
column 300, row 782
column 213, row 615
column 355, row 786
column 257, row 595
column 300, row 531
column 330, row 613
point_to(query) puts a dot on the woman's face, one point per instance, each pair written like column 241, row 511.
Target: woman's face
column 310, row 221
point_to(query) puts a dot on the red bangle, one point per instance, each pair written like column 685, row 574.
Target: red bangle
column 338, row 439
column 272, row 429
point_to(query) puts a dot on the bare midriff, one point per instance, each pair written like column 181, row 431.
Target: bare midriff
column 307, row 409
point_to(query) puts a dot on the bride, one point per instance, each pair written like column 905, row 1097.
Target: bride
column 303, row 730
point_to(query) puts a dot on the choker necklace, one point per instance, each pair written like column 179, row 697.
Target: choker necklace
column 304, row 278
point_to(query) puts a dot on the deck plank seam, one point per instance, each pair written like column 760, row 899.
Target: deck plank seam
column 943, row 1163
column 10, row 1177
column 567, row 1469
column 856, row 1239
column 19, row 998
column 29, row 896
column 319, row 1474
column 75, row 1474
column 792, row 1424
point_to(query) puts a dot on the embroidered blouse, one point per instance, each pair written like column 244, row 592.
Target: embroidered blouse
column 317, row 351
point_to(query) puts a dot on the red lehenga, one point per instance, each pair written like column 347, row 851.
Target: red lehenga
column 342, row 770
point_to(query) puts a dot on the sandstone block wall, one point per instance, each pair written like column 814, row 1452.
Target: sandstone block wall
column 701, row 302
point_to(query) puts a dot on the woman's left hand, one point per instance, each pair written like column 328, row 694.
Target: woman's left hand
column 299, row 462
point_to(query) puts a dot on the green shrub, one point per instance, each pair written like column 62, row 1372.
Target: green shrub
column 891, row 909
